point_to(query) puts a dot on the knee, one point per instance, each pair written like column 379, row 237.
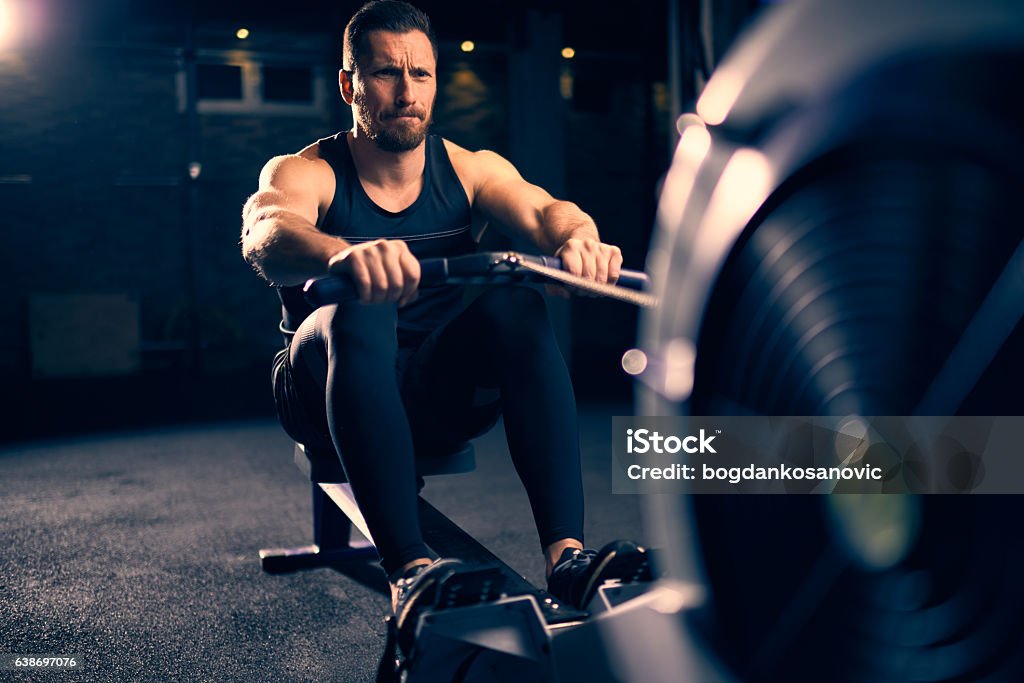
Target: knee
column 354, row 330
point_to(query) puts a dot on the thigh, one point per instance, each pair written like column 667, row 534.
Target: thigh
column 450, row 388
column 347, row 350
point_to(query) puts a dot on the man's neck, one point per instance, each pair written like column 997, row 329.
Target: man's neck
column 386, row 169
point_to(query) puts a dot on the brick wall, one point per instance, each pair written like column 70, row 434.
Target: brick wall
column 101, row 135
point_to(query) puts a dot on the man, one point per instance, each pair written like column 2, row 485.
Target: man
column 396, row 373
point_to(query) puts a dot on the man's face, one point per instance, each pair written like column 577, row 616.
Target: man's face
column 393, row 89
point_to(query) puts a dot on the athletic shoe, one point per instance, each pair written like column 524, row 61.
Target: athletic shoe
column 442, row 584
column 417, row 589
column 579, row 573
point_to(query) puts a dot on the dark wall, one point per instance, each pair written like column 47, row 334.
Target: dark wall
column 93, row 161
column 613, row 145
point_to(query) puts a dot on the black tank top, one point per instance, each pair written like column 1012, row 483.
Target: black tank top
column 436, row 224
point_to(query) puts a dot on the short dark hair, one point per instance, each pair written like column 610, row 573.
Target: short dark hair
column 382, row 15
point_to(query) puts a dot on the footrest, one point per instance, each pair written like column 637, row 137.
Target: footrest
column 503, row 640
column 470, row 586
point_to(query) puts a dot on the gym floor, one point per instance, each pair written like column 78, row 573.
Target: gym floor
column 137, row 551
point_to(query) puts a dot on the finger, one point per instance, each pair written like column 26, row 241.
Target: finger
column 391, row 261
column 378, row 277
column 360, row 276
column 615, row 265
column 589, row 258
column 411, row 271
column 572, row 261
column 601, row 265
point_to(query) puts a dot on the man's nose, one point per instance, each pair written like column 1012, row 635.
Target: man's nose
column 404, row 95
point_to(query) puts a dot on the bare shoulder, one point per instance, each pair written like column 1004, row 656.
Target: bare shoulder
column 305, row 167
column 302, row 182
column 480, row 167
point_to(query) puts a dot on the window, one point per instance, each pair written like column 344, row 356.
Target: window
column 219, row 82
column 237, row 84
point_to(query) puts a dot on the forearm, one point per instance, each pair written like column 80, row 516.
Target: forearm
column 285, row 249
column 562, row 221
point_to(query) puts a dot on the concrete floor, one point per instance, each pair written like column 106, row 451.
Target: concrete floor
column 137, row 552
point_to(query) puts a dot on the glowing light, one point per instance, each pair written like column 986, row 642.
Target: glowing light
column 744, row 186
column 568, row 52
column 694, row 143
column 680, row 358
column 565, row 83
column 6, row 23
column 242, row 33
column 687, row 120
column 634, row 361
column 720, row 94
column 468, row 46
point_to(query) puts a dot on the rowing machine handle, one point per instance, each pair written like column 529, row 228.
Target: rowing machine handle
column 333, row 289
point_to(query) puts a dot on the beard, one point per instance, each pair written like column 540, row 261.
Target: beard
column 392, row 134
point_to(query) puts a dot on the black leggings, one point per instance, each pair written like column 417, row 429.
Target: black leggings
column 377, row 416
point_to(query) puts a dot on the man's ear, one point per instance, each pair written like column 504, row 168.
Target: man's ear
column 345, row 85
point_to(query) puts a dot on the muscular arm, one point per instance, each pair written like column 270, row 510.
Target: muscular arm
column 503, row 196
column 281, row 241
column 279, row 234
column 556, row 227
